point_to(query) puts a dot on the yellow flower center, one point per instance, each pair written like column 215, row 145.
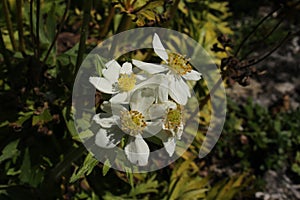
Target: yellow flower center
column 173, row 119
column 132, row 122
column 126, row 82
column 179, row 64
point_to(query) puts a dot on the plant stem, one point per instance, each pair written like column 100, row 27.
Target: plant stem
column 37, row 30
column 124, row 24
column 58, row 31
column 107, row 22
column 253, row 31
column 3, row 51
column 19, row 5
column 31, row 26
column 9, row 24
column 87, row 6
column 171, row 13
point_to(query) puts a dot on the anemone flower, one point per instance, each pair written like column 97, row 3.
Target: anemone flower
column 172, row 123
column 177, row 70
column 134, row 122
column 117, row 80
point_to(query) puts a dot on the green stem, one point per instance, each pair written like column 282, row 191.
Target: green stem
column 107, row 22
column 9, row 24
column 84, row 28
column 3, row 51
column 31, row 26
column 124, row 24
column 61, row 24
column 37, row 31
column 19, row 5
column 171, row 13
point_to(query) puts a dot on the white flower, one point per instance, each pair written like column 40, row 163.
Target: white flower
column 133, row 122
column 172, row 123
column 120, row 81
column 177, row 68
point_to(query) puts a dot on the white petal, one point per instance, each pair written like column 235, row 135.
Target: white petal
column 152, row 128
column 179, row 131
column 149, row 67
column 112, row 72
column 156, row 111
column 102, row 85
column 103, row 121
column 159, row 49
column 170, row 104
column 105, row 139
column 120, row 98
column 178, row 90
column 170, row 145
column 192, row 75
column 142, row 99
column 163, row 90
column 126, row 68
column 140, row 77
column 137, row 151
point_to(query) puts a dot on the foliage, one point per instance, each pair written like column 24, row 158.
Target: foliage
column 41, row 43
column 261, row 140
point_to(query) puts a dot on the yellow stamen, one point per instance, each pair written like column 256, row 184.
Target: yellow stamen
column 132, row 122
column 173, row 119
column 126, row 82
column 179, row 64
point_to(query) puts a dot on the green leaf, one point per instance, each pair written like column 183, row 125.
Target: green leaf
column 83, row 135
column 5, row 123
column 70, row 123
column 106, row 167
column 24, row 117
column 44, row 117
column 31, row 175
column 10, row 151
column 87, row 167
column 150, row 186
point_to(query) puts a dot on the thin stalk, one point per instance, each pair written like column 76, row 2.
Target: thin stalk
column 124, row 24
column 264, row 38
column 31, row 27
column 107, row 22
column 3, row 51
column 270, row 52
column 9, row 24
column 19, row 5
column 87, row 6
column 37, row 30
column 61, row 24
column 254, row 30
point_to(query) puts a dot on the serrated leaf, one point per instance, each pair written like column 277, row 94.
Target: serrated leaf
column 150, row 186
column 87, row 167
column 10, row 151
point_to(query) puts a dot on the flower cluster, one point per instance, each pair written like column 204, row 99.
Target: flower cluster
column 144, row 104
